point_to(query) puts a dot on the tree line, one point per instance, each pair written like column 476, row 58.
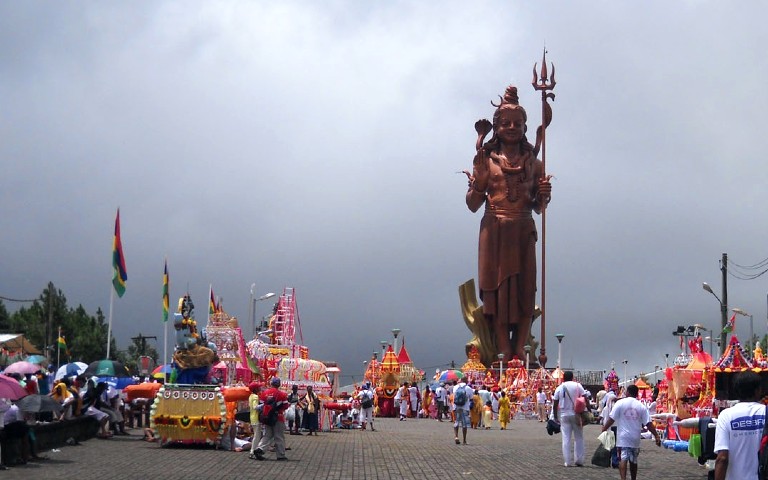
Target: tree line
column 85, row 335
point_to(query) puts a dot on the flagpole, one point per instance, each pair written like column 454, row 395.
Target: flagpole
column 210, row 296
column 58, row 349
column 165, row 346
column 166, row 293
column 109, row 327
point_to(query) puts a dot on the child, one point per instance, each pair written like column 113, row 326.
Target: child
column 488, row 414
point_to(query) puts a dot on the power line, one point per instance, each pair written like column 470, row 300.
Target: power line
column 16, row 300
column 747, row 277
column 746, row 272
column 756, row 266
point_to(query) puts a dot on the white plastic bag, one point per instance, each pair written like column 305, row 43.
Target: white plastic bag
column 607, row 439
column 290, row 414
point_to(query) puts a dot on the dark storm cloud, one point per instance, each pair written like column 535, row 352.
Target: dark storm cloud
column 315, row 147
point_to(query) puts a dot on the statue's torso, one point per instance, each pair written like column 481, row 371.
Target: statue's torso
column 511, row 191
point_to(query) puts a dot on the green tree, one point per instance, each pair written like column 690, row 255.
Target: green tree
column 139, row 347
column 38, row 321
column 85, row 335
column 5, row 319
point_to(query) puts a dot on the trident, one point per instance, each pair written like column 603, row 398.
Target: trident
column 544, row 84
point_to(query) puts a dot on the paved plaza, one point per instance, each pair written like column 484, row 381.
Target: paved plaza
column 414, row 449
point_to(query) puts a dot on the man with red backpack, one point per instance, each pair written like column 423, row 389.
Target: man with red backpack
column 563, row 411
column 274, row 403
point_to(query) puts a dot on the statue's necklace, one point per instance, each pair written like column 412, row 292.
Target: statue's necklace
column 512, row 174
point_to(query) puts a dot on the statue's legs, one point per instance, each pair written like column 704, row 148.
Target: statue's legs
column 501, row 334
column 522, row 334
column 516, row 319
column 503, row 322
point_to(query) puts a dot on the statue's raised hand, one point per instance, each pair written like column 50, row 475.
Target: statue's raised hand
column 481, row 170
column 482, row 127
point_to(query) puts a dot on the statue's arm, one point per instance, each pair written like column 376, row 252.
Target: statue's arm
column 542, row 189
column 475, row 198
column 478, row 182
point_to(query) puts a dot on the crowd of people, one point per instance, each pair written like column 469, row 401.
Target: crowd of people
column 76, row 396
column 468, row 407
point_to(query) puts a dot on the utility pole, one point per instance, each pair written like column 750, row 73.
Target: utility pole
column 49, row 326
column 143, row 339
column 724, row 304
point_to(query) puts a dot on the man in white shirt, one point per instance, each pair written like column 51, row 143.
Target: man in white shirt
column 541, row 404
column 440, row 397
column 401, row 398
column 630, row 416
column 570, row 423
column 461, row 396
column 366, row 406
column 608, row 401
column 739, row 431
column 415, row 397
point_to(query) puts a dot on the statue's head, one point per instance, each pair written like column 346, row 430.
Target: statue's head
column 509, row 102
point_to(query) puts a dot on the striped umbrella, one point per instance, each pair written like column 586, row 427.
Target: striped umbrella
column 449, row 376
column 70, row 370
column 162, row 370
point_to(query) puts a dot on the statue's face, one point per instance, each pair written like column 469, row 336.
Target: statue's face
column 510, row 125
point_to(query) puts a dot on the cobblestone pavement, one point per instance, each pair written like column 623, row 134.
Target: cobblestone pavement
column 415, row 449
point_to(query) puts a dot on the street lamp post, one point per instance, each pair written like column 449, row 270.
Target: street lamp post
column 626, row 380
column 723, row 313
column 712, row 341
column 559, row 337
column 383, row 348
column 253, row 307
column 751, row 326
column 527, row 349
column 395, row 332
column 251, row 313
column 501, row 365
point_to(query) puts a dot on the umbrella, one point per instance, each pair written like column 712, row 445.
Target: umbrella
column 23, row 368
column 10, row 388
column 162, row 370
column 116, row 382
column 451, row 376
column 106, row 368
column 38, row 359
column 38, row 403
column 70, row 370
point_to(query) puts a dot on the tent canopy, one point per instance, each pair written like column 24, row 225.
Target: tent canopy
column 15, row 342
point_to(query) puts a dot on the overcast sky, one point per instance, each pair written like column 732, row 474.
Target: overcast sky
column 314, row 145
